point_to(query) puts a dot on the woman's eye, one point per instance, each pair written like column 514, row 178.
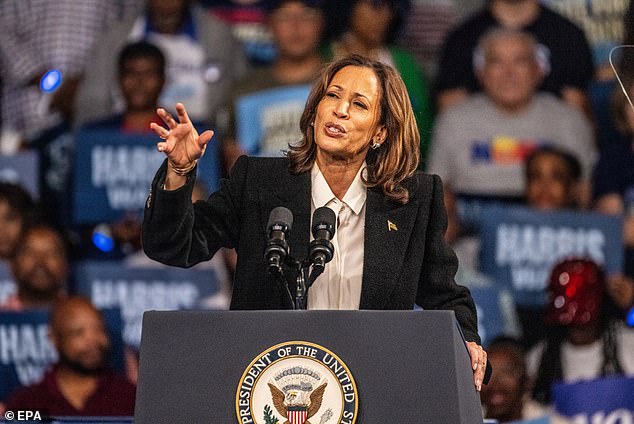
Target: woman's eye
column 361, row 105
column 331, row 94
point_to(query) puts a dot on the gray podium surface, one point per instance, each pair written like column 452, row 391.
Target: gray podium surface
column 409, row 366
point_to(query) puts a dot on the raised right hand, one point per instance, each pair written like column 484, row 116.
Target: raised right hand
column 182, row 145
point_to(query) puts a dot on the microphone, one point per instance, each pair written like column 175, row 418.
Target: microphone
column 321, row 249
column 278, row 229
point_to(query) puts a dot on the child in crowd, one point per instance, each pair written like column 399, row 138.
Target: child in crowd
column 552, row 179
column 506, row 398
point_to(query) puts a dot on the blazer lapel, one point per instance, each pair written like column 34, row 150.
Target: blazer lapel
column 387, row 232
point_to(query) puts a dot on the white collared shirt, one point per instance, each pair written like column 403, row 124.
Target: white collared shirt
column 339, row 286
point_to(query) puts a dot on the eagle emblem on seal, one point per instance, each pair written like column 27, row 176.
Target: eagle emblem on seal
column 297, row 394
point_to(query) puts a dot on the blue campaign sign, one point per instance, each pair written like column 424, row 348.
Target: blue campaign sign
column 7, row 284
column 22, row 168
column 601, row 401
column 267, row 121
column 136, row 290
column 494, row 305
column 26, row 350
column 113, row 172
column 519, row 246
column 541, row 420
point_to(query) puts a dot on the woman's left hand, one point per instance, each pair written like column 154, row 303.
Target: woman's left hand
column 478, row 363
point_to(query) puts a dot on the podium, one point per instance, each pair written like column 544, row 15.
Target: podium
column 218, row 366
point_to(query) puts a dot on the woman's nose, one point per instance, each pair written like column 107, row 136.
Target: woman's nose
column 341, row 109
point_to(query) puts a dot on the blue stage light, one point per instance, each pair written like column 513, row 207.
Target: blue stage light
column 51, row 81
column 102, row 238
column 629, row 319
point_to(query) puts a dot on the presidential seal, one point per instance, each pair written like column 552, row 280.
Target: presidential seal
column 297, row 382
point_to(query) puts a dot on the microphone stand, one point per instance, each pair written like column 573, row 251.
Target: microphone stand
column 300, row 288
column 276, row 268
column 305, row 278
column 301, row 269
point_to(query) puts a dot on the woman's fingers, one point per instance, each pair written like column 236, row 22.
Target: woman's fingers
column 159, row 130
column 167, row 118
column 183, row 118
column 205, row 137
column 180, row 138
column 478, row 363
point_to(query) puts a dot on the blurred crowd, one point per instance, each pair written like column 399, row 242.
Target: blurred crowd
column 518, row 102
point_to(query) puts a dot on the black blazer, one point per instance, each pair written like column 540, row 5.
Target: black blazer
column 411, row 264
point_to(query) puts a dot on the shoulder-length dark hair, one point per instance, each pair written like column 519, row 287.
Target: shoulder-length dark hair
column 397, row 158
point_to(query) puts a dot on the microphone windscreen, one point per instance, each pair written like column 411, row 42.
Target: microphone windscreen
column 324, row 218
column 280, row 216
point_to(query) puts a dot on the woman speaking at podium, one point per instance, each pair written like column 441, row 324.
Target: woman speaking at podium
column 358, row 156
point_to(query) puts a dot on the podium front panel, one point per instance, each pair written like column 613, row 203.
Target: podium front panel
column 409, row 366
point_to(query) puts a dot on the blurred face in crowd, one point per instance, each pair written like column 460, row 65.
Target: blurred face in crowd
column 549, row 182
column 503, row 396
column 40, row 265
column 80, row 337
column 510, row 74
column 370, row 21
column 296, row 29
column 347, row 115
column 11, row 225
column 167, row 16
column 141, row 81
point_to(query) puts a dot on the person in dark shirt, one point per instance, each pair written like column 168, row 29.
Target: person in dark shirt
column 564, row 51
column 80, row 383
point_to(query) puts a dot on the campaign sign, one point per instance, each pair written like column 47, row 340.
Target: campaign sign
column 540, row 420
column 136, row 290
column 600, row 401
column 113, row 172
column 495, row 309
column 7, row 284
column 521, row 245
column 267, row 121
column 23, row 169
column 26, row 350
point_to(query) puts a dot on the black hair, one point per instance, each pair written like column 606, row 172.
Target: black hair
column 573, row 164
column 140, row 49
column 504, row 341
column 339, row 13
column 272, row 5
column 550, row 367
column 19, row 200
column 514, row 346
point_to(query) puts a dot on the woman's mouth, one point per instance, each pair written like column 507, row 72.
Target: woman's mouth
column 334, row 130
